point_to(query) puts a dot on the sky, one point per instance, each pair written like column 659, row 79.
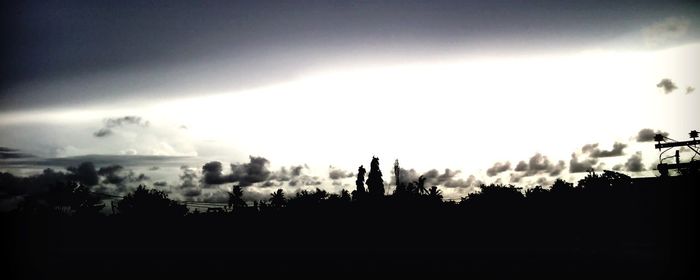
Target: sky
column 192, row 98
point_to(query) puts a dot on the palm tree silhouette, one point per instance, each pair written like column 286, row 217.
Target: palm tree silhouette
column 235, row 198
column 277, row 199
column 434, row 193
column 420, row 186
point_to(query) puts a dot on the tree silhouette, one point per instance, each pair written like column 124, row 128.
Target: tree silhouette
column 149, row 203
column 434, row 193
column 235, row 198
column 420, row 186
column 375, row 184
column 360, row 182
column 277, row 199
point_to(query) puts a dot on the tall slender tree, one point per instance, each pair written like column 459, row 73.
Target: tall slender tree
column 375, row 184
column 360, row 182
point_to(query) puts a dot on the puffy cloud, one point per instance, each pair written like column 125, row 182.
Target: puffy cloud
column 498, row 168
column 160, row 184
column 542, row 181
column 305, row 180
column 212, row 174
column 667, row 85
column 634, row 163
column 576, row 166
column 85, row 173
column 111, row 123
column 245, row 174
column 516, row 177
column 557, row 169
column 336, row 174
column 647, row 135
column 284, row 174
column 594, row 152
column 120, row 177
column 689, row 90
column 434, row 177
column 537, row 164
column 522, row 166
column 253, row 172
column 189, row 186
column 405, row 176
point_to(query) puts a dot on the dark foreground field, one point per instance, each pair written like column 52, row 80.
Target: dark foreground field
column 643, row 229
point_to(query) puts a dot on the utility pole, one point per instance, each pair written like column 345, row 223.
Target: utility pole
column 665, row 167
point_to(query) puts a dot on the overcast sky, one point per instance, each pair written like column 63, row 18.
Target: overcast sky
column 469, row 86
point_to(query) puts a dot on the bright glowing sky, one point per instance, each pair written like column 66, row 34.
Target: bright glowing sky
column 462, row 109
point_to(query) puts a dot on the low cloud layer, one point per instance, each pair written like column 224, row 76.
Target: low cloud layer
column 9, row 153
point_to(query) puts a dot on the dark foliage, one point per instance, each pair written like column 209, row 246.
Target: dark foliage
column 607, row 224
column 146, row 203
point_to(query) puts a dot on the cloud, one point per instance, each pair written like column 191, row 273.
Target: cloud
column 8, row 153
column 434, row 177
column 111, row 123
column 634, row 163
column 537, row 164
column 212, row 174
column 103, row 160
column 85, row 173
column 667, row 85
column 336, row 174
column 666, row 31
column 102, row 132
column 647, row 135
column 189, row 186
column 120, row 177
column 522, row 166
column 160, row 184
column 557, row 169
column 576, row 166
column 305, row 181
column 405, row 176
column 542, row 181
column 689, row 90
column 253, row 172
column 498, row 168
column 245, row 174
column 516, row 177
column 594, row 152
column 285, row 174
